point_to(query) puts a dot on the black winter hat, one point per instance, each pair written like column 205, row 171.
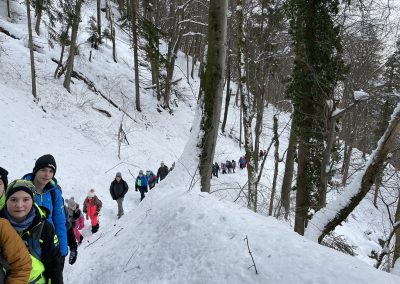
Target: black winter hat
column 3, row 176
column 45, row 161
column 21, row 185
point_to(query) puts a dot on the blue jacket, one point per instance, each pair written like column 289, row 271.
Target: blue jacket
column 141, row 181
column 57, row 215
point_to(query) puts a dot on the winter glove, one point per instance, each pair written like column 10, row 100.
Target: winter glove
column 73, row 254
column 96, row 213
column 87, row 217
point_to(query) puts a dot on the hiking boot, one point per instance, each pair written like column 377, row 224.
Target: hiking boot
column 95, row 228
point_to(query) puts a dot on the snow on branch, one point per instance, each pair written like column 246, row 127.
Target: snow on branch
column 326, row 220
column 193, row 22
column 193, row 34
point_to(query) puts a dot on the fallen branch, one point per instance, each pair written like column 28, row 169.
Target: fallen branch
column 4, row 31
column 106, row 113
column 254, row 264
column 92, row 87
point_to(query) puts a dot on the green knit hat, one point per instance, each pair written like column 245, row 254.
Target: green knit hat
column 23, row 185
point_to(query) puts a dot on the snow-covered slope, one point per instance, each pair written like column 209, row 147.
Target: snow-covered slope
column 177, row 234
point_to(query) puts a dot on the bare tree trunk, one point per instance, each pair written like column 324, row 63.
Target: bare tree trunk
column 326, row 220
column 213, row 88
column 33, row 72
column 288, row 175
column 240, row 121
column 228, row 93
column 326, row 159
column 259, row 104
column 99, row 19
column 346, row 162
column 59, row 64
column 112, row 31
column 276, row 156
column 39, row 12
column 8, row 9
column 302, row 194
column 74, row 35
column 172, row 55
column 135, row 53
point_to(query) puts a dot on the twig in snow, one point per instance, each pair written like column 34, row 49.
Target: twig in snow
column 254, row 264
column 95, row 240
column 129, row 260
column 118, row 232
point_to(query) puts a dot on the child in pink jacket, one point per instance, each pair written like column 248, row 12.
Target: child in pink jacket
column 91, row 207
column 76, row 217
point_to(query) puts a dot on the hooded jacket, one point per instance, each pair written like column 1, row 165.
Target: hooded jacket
column 57, row 213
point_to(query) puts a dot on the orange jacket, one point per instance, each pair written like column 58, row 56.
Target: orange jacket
column 15, row 253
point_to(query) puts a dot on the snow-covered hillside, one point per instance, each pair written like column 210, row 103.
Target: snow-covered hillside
column 177, row 234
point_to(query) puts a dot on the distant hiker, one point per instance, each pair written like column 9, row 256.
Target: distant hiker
column 151, row 179
column 261, row 154
column 223, row 168
column 141, row 184
column 14, row 252
column 91, row 207
column 241, row 163
column 118, row 189
column 29, row 220
column 229, row 166
column 48, row 194
column 233, row 165
column 77, row 219
column 162, row 171
column 215, row 169
column 3, row 186
column 244, row 162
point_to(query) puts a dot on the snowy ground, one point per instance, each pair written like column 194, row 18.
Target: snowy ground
column 177, row 234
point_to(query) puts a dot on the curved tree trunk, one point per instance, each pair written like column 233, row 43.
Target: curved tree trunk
column 326, row 220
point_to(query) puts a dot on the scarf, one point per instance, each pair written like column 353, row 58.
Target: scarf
column 20, row 227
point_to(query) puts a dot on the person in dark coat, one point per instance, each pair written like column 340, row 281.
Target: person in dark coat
column 141, row 184
column 215, row 169
column 162, row 172
column 118, row 189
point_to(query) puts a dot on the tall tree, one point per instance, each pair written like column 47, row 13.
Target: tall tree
column 74, row 34
column 213, row 86
column 135, row 52
column 99, row 19
column 32, row 57
column 8, row 9
column 317, row 68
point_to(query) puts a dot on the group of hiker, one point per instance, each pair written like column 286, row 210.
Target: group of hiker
column 143, row 183
column 227, row 167
column 230, row 166
column 37, row 230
